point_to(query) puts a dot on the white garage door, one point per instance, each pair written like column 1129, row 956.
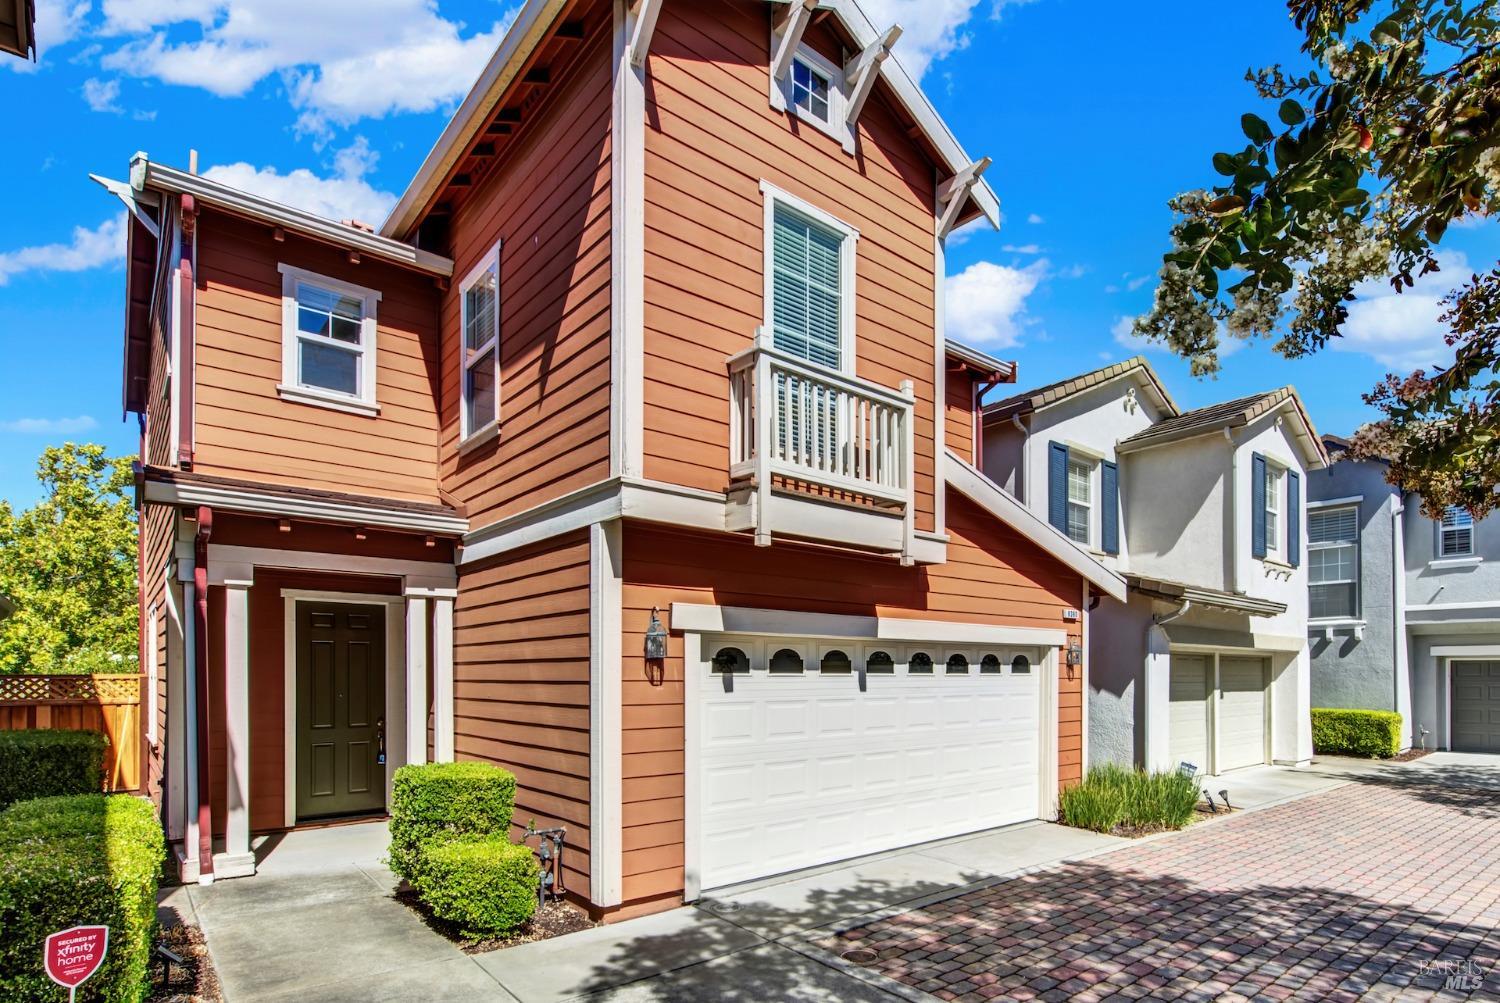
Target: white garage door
column 1242, row 712
column 799, row 765
column 1187, row 720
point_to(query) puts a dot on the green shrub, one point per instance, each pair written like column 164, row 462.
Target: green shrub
column 1114, row 795
column 438, row 801
column 47, row 762
column 80, row 860
column 1374, row 734
column 484, row 885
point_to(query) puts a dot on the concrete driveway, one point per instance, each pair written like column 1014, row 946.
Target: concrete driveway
column 1395, row 861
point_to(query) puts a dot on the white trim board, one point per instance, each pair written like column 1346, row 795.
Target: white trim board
column 708, row 619
column 1466, row 652
column 285, row 506
column 606, row 699
column 228, row 561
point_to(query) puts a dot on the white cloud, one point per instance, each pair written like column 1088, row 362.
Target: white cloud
column 341, row 60
column 1402, row 330
column 345, row 195
column 49, row 426
column 986, row 302
column 102, row 95
column 1022, row 248
column 1034, row 219
column 931, row 29
column 105, row 244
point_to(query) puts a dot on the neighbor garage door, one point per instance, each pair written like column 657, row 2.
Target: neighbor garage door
column 1187, row 717
column 803, row 762
column 1475, row 716
column 1242, row 712
column 1241, row 705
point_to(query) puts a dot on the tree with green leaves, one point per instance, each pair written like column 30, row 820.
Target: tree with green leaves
column 69, row 565
column 1391, row 139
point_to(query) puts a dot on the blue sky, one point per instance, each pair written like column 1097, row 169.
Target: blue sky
column 1095, row 114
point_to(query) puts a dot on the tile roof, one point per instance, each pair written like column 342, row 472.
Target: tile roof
column 1229, row 414
column 1039, row 397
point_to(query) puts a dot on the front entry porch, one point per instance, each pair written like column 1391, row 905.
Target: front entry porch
column 303, row 679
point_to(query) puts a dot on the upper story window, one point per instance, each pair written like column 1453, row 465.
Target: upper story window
column 1456, row 533
column 814, row 91
column 810, row 90
column 1276, row 521
column 809, row 283
column 479, row 298
column 1333, row 562
column 1275, row 478
column 328, row 341
column 1080, row 500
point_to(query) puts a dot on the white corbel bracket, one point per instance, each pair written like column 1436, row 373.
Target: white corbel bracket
column 133, row 199
column 860, row 74
column 785, row 38
column 952, row 194
column 644, row 13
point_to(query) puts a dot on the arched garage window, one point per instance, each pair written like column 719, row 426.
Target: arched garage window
column 1020, row 666
column 919, row 664
column 958, row 665
column 880, row 663
column 731, row 660
column 836, row 663
column 786, row 662
column 990, row 665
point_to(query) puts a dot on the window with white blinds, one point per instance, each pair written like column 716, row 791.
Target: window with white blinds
column 807, row 288
column 1333, row 563
column 1456, row 535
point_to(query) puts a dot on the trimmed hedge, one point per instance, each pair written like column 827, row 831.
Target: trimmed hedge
column 1372, row 734
column 49, row 762
column 1112, row 795
column 71, row 861
column 438, row 801
column 484, row 885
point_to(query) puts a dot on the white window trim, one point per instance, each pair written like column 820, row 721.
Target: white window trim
column 290, row 389
column 1459, row 558
column 1354, row 616
column 153, row 678
column 837, row 125
column 771, row 196
column 1275, row 504
column 473, row 438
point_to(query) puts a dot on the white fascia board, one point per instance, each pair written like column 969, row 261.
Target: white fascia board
column 978, row 359
column 710, row 619
column 984, row 492
column 526, row 32
column 284, row 506
column 211, row 193
column 915, row 101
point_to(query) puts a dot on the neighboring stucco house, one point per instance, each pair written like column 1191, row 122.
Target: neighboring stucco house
column 1201, row 512
column 1404, row 610
column 596, row 462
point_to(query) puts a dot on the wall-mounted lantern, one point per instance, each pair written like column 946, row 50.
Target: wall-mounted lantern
column 656, row 638
column 1075, row 653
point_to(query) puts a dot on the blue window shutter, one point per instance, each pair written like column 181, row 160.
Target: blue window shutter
column 1258, row 505
column 1057, row 486
column 1109, row 507
column 1293, row 518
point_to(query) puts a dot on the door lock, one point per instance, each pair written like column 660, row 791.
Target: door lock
column 380, row 742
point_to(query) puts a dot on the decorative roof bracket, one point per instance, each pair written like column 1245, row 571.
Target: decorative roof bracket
column 785, row 38
column 953, row 193
column 645, row 13
column 860, row 74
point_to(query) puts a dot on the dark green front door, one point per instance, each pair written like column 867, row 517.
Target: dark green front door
column 340, row 709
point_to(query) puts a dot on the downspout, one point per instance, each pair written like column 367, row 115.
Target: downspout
column 1162, row 619
column 187, row 332
column 1023, row 482
column 1233, row 541
column 1402, row 680
column 140, row 610
column 202, row 703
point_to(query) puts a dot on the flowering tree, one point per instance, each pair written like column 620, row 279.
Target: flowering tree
column 1376, row 153
column 68, row 563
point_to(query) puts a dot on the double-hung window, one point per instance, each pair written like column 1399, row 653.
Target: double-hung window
column 479, row 296
column 1275, row 479
column 1333, row 562
column 1456, row 533
column 1080, row 501
column 328, row 341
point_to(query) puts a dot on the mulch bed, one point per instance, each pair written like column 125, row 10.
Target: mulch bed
column 193, row 981
column 1202, row 814
column 552, row 920
column 1409, row 755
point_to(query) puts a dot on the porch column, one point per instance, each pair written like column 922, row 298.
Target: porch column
column 416, row 677
column 1156, row 678
column 237, row 860
column 442, row 677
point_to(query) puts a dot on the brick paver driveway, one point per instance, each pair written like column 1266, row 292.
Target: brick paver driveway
column 1383, row 888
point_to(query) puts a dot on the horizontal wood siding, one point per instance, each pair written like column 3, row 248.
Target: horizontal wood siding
column 711, row 138
column 958, row 420
column 521, row 683
column 548, row 204
column 993, row 576
column 244, row 429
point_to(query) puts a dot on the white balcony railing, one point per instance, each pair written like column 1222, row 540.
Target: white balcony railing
column 806, row 424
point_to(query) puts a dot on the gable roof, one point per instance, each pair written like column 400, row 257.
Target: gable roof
column 531, row 28
column 1040, row 397
column 1235, row 413
column 969, row 482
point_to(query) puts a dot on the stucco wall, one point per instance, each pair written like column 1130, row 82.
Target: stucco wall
column 1427, row 582
column 1176, row 504
column 1429, row 681
column 1117, row 653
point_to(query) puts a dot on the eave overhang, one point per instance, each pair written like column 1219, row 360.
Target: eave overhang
column 1201, row 597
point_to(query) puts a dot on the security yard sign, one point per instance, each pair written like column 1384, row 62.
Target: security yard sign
column 72, row 956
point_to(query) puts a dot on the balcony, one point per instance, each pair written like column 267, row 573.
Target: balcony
column 817, row 453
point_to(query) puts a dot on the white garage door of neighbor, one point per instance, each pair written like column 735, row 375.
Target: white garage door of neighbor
column 1242, row 712
column 1187, row 718
column 800, row 768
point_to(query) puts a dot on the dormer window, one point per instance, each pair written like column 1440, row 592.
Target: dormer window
column 810, row 91
column 327, row 342
column 813, row 90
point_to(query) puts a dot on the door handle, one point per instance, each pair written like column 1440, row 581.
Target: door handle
column 380, row 742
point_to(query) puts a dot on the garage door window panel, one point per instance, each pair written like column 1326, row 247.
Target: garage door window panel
column 836, row 662
column 919, row 663
column 786, row 661
column 958, row 665
column 880, row 663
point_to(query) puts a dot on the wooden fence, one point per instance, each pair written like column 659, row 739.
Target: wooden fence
column 111, row 704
